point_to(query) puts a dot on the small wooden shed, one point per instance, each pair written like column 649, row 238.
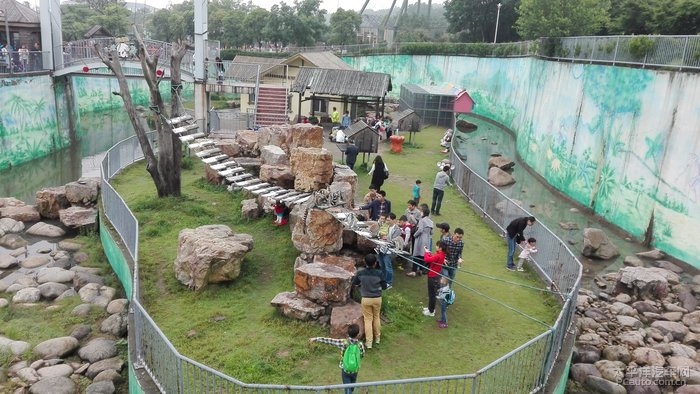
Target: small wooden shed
column 366, row 138
column 463, row 103
column 406, row 120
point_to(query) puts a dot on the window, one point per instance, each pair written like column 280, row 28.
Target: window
column 251, row 98
column 320, row 106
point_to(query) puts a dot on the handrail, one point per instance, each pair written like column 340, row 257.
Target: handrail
column 172, row 372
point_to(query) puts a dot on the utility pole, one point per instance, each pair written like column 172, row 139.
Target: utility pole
column 498, row 15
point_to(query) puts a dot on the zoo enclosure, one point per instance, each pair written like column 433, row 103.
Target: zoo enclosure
column 525, row 369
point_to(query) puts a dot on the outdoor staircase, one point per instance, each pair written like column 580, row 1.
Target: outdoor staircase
column 271, row 106
column 233, row 174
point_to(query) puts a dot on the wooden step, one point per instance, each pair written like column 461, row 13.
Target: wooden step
column 258, row 186
column 238, row 178
column 266, row 190
column 247, row 182
column 301, row 200
column 221, row 166
column 214, row 159
column 294, row 197
column 180, row 130
column 277, row 192
column 179, row 119
column 231, row 171
column 201, row 144
column 208, row 152
column 191, row 137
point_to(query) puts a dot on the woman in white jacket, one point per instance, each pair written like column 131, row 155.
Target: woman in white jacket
column 422, row 238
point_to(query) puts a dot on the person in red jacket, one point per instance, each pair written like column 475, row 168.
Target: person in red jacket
column 435, row 263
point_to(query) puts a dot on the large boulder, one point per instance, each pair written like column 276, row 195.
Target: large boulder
column 96, row 294
column 304, row 135
column 55, row 274
column 64, row 370
column 210, row 254
column 250, row 209
column 8, row 261
column 580, row 371
column 273, row 155
column 343, row 173
column 604, row 386
column 345, row 262
column 84, row 191
column 229, row 147
column 26, row 213
column 278, row 175
column 52, row 290
column 10, row 226
column 502, row 162
column 323, row 283
column 499, row 178
column 648, row 356
column 292, row 305
column 343, row 316
column 42, row 229
column 597, row 245
column 13, row 242
column 274, row 135
column 51, row 200
column 56, row 347
column 647, row 283
column 312, row 168
column 54, row 385
column 11, row 202
column 116, row 324
column 114, row 363
column 317, row 232
column 676, row 329
column 78, row 217
column 27, row 295
column 247, row 140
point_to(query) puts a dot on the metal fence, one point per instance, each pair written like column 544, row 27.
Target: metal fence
column 522, row 370
column 23, row 62
column 230, row 119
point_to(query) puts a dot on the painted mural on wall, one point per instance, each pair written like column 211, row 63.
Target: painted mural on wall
column 621, row 141
column 28, row 128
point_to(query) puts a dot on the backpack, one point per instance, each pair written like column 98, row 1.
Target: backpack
column 351, row 358
column 450, row 297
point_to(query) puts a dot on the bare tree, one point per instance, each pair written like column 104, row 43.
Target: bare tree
column 165, row 168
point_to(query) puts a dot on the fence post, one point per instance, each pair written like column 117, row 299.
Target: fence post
column 617, row 45
column 685, row 49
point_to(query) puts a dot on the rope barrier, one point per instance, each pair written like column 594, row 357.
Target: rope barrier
column 478, row 292
column 508, row 281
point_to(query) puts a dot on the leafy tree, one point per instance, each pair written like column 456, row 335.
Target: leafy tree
column 308, row 22
column 344, row 27
column 113, row 17
column 562, row 18
column 631, row 17
column 173, row 23
column 475, row 20
column 75, row 20
column 254, row 25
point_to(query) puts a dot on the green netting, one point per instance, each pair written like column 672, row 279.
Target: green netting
column 134, row 386
column 116, row 259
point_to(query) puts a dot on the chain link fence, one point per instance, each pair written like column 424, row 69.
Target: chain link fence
column 523, row 370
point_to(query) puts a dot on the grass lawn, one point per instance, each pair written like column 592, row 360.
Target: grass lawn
column 234, row 329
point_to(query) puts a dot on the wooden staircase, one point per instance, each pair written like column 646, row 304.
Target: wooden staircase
column 234, row 175
column 271, row 106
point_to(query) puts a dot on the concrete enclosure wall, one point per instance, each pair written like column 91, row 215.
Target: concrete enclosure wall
column 622, row 141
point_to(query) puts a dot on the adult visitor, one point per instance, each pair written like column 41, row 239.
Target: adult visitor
column 351, row 152
column 422, row 238
column 453, row 245
column 371, row 282
column 380, row 206
column 379, row 172
column 442, row 179
column 345, row 121
column 514, row 235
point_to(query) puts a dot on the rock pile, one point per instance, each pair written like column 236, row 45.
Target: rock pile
column 643, row 337
column 43, row 276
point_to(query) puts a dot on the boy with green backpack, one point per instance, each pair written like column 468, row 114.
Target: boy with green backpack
column 351, row 351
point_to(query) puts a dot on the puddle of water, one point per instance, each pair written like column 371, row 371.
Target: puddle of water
column 548, row 206
column 102, row 131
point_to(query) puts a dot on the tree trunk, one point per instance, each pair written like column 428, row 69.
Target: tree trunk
column 165, row 168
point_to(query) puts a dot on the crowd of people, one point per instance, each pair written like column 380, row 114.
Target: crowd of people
column 20, row 58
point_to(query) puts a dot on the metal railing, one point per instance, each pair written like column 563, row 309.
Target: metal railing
column 678, row 52
column 522, row 370
column 21, row 62
column 554, row 263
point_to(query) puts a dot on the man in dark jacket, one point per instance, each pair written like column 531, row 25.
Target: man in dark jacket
column 371, row 282
column 514, row 234
column 351, row 153
column 378, row 207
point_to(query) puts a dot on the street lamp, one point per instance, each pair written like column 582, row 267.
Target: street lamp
column 498, row 15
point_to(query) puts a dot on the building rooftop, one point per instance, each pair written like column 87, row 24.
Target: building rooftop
column 446, row 90
column 342, row 82
column 17, row 13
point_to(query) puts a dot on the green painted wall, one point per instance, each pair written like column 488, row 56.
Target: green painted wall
column 34, row 120
column 28, row 122
column 622, row 141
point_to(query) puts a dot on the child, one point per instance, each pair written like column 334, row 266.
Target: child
column 351, row 350
column 436, row 262
column 529, row 248
column 447, row 297
column 405, row 227
column 416, row 191
column 279, row 208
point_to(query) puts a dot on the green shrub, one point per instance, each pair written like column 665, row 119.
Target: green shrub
column 641, row 46
column 577, row 50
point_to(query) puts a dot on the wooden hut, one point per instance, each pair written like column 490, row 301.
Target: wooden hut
column 366, row 138
column 406, row 120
